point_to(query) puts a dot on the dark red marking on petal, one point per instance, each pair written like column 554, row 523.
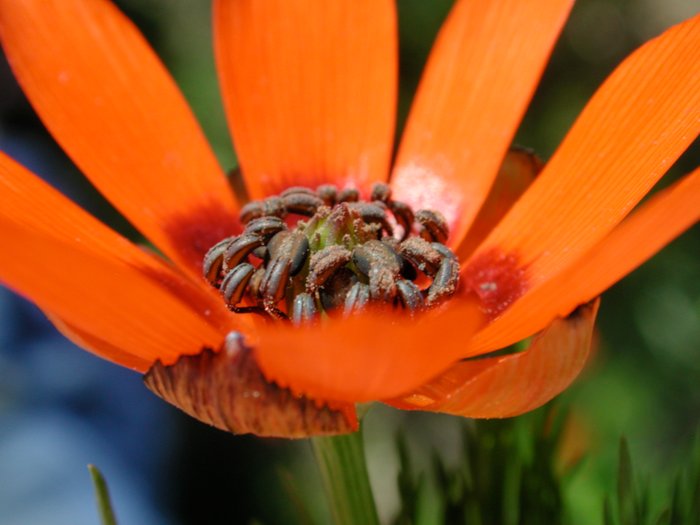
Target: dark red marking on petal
column 226, row 389
column 497, row 279
column 197, row 230
column 198, row 296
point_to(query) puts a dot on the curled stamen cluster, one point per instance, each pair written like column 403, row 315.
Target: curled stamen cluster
column 348, row 254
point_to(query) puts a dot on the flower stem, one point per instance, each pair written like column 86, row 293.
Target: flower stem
column 344, row 471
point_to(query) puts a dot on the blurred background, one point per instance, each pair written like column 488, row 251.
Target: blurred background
column 61, row 408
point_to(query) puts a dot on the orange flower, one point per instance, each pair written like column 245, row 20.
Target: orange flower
column 309, row 88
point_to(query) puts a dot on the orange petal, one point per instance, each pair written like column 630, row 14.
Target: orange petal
column 370, row 356
column 514, row 384
column 98, row 346
column 101, row 289
column 636, row 239
column 519, row 169
column 111, row 105
column 637, row 124
column 309, row 89
column 480, row 77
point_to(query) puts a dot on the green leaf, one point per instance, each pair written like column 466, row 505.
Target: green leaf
column 642, row 503
column 608, row 518
column 625, row 489
column 408, row 485
column 664, row 518
column 511, row 492
column 693, row 486
column 676, row 509
column 427, row 506
column 104, row 504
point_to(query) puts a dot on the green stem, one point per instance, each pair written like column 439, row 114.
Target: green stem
column 344, row 471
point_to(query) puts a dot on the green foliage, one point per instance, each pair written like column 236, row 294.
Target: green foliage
column 507, row 476
column 510, row 474
column 633, row 505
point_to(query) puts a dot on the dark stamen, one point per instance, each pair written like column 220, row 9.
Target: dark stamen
column 324, row 264
column 303, row 309
column 265, row 227
column 349, row 195
column 381, row 192
column 357, row 298
column 421, row 255
column 328, row 194
column 433, row 225
column 272, row 206
column 409, row 294
column 235, row 283
column 238, row 249
column 344, row 257
column 212, row 266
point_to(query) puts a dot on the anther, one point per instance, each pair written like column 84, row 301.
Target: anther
column 302, row 203
column 375, row 254
column 373, row 213
column 379, row 262
column 409, row 294
column 255, row 283
column 290, row 246
column 272, row 206
column 421, row 255
column 235, row 283
column 274, row 283
column 349, row 195
column 295, row 190
column 303, row 309
column 382, row 284
column 239, row 249
column 335, row 290
column 434, row 226
column 251, row 210
column 324, row 264
column 213, row 262
column 343, row 257
column 328, row 194
column 381, row 192
column 357, row 298
column 265, row 227
column 443, row 250
column 403, row 215
column 445, row 281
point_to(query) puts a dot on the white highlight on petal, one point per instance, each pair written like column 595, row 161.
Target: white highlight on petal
column 418, row 185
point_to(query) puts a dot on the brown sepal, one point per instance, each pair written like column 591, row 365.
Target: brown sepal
column 226, row 389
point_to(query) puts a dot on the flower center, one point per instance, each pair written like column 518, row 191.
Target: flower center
column 348, row 254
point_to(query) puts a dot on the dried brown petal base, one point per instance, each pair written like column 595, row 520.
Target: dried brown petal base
column 226, row 389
